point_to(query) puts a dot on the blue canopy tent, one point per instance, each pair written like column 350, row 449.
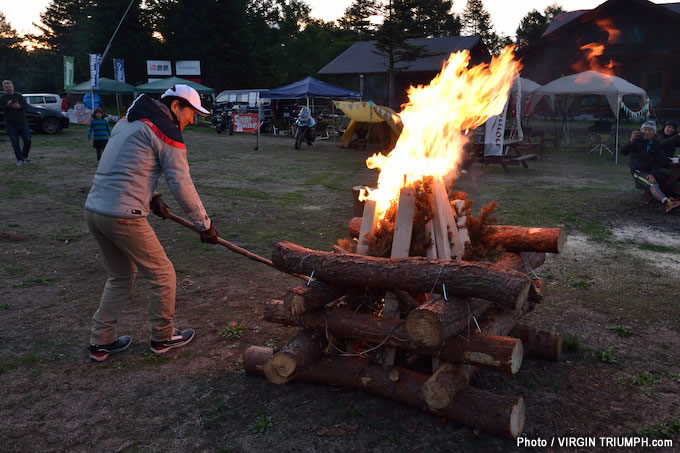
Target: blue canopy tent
column 309, row 87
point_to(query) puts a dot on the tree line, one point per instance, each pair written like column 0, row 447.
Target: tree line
column 240, row 43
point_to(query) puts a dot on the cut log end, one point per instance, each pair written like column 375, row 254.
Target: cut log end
column 279, row 368
column 517, row 418
column 523, row 295
column 517, row 357
column 561, row 239
column 424, row 327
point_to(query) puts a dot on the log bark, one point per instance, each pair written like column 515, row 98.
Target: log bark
column 415, row 274
column 255, row 357
column 524, row 262
column 307, row 298
column 539, row 343
column 436, row 320
column 524, row 239
column 490, row 351
column 300, row 352
column 503, row 415
column 354, row 226
column 520, row 261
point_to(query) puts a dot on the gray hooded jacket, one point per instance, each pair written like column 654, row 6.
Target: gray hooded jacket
column 143, row 145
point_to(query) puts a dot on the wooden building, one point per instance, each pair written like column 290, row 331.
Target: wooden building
column 641, row 43
column 361, row 66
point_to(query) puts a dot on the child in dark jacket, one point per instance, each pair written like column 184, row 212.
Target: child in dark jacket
column 646, row 160
column 100, row 128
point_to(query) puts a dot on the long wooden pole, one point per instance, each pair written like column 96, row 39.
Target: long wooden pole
column 230, row 246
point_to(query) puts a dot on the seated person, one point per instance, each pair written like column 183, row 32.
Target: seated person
column 669, row 139
column 305, row 120
column 646, row 160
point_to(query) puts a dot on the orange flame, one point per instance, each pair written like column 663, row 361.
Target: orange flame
column 594, row 50
column 456, row 100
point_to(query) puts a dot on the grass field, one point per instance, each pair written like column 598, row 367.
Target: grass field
column 613, row 294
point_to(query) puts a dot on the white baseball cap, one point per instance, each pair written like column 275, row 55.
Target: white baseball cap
column 188, row 94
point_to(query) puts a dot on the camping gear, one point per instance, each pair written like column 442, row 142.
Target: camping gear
column 368, row 112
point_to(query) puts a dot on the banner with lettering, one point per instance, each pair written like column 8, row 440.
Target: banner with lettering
column 494, row 133
column 245, row 122
column 119, row 70
column 68, row 73
column 95, row 61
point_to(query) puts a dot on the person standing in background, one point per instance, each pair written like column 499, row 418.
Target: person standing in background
column 14, row 106
column 99, row 127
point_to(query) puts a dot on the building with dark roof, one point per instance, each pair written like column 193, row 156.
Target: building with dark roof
column 363, row 61
column 640, row 39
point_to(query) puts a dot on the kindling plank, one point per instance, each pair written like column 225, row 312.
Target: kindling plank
column 401, row 243
column 368, row 223
column 446, row 220
column 462, row 229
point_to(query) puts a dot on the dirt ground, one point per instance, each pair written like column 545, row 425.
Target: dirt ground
column 613, row 295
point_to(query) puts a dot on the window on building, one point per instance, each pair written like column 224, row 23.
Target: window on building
column 653, row 88
column 675, row 85
column 657, row 39
column 634, row 34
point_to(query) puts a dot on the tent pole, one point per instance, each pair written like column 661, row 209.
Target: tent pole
column 616, row 156
column 370, row 119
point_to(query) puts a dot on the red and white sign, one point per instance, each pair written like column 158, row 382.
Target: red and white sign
column 158, row 67
column 245, row 122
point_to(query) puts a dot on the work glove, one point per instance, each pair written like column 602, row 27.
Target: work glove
column 210, row 235
column 158, row 206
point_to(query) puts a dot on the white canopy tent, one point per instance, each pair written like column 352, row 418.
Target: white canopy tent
column 591, row 82
column 529, row 87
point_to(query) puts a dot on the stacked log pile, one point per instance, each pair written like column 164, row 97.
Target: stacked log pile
column 415, row 329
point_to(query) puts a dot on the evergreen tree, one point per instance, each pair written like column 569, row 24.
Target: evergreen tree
column 61, row 24
column 426, row 18
column 357, row 18
column 477, row 21
column 11, row 52
column 392, row 43
column 534, row 24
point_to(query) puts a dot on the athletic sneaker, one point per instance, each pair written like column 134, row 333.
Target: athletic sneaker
column 179, row 338
column 27, row 160
column 671, row 204
column 99, row 352
column 20, row 163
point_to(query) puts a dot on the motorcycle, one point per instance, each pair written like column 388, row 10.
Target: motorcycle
column 304, row 133
column 223, row 122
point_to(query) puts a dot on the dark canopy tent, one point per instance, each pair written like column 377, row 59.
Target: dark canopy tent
column 309, row 87
column 106, row 86
column 160, row 86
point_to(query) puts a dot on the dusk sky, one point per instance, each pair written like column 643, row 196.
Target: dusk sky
column 505, row 14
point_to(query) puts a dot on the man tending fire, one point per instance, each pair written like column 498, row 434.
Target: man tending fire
column 143, row 145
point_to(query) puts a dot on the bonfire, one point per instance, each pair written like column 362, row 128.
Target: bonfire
column 424, row 294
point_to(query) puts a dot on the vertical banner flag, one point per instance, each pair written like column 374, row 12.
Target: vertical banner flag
column 68, row 73
column 493, row 135
column 119, row 70
column 95, row 60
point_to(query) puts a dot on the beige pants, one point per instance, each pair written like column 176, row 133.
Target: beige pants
column 128, row 245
